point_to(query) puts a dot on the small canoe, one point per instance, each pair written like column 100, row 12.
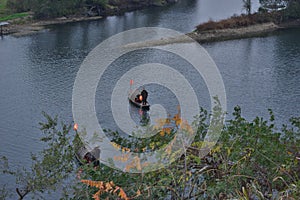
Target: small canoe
column 132, row 99
column 84, row 156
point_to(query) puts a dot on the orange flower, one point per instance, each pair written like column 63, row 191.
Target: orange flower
column 75, row 127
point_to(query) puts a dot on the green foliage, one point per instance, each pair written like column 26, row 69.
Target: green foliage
column 45, row 9
column 101, row 3
column 53, row 165
column 252, row 160
column 4, row 193
column 3, row 8
column 236, row 22
column 14, row 16
column 2, row 5
column 13, row 9
column 293, row 10
column 18, row 5
column 247, row 5
column 252, row 157
column 54, row 8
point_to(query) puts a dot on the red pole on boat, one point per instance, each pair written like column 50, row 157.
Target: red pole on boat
column 75, row 127
column 131, row 83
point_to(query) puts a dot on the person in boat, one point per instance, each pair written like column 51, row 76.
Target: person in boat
column 138, row 98
column 89, row 157
column 144, row 94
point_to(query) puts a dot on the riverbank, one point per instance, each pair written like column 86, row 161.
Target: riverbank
column 34, row 20
column 28, row 27
column 237, row 27
column 256, row 30
column 243, row 26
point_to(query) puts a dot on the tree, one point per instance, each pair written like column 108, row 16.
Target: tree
column 96, row 6
column 54, row 8
column 18, row 5
column 252, row 160
column 247, row 5
column 53, row 165
column 293, row 9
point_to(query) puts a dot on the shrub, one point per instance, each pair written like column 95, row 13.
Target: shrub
column 293, row 10
column 18, row 5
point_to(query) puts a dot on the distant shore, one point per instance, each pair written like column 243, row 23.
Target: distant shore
column 238, row 27
column 256, row 30
column 31, row 27
column 201, row 36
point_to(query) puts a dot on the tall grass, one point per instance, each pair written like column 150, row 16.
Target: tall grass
column 13, row 16
column 3, row 7
column 7, row 14
column 240, row 21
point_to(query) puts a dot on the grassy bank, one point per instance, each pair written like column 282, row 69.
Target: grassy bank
column 239, row 21
column 14, row 16
column 27, row 17
column 7, row 15
column 2, row 7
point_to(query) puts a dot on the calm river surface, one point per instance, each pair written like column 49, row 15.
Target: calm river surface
column 38, row 71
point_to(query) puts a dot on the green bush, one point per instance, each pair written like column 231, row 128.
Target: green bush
column 18, row 5
column 252, row 160
column 293, row 10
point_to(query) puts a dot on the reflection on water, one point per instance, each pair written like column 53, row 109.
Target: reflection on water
column 261, row 73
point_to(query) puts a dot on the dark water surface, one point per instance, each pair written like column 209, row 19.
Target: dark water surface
column 38, row 71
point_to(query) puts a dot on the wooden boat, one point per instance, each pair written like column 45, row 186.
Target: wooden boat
column 84, row 156
column 132, row 98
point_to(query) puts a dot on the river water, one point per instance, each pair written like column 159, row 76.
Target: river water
column 38, row 71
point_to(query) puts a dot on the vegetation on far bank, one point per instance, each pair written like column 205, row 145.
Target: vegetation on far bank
column 14, row 16
column 282, row 13
column 49, row 9
column 252, row 160
column 268, row 12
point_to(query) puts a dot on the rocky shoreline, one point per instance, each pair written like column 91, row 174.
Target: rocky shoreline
column 256, row 30
column 31, row 27
column 26, row 25
column 234, row 33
